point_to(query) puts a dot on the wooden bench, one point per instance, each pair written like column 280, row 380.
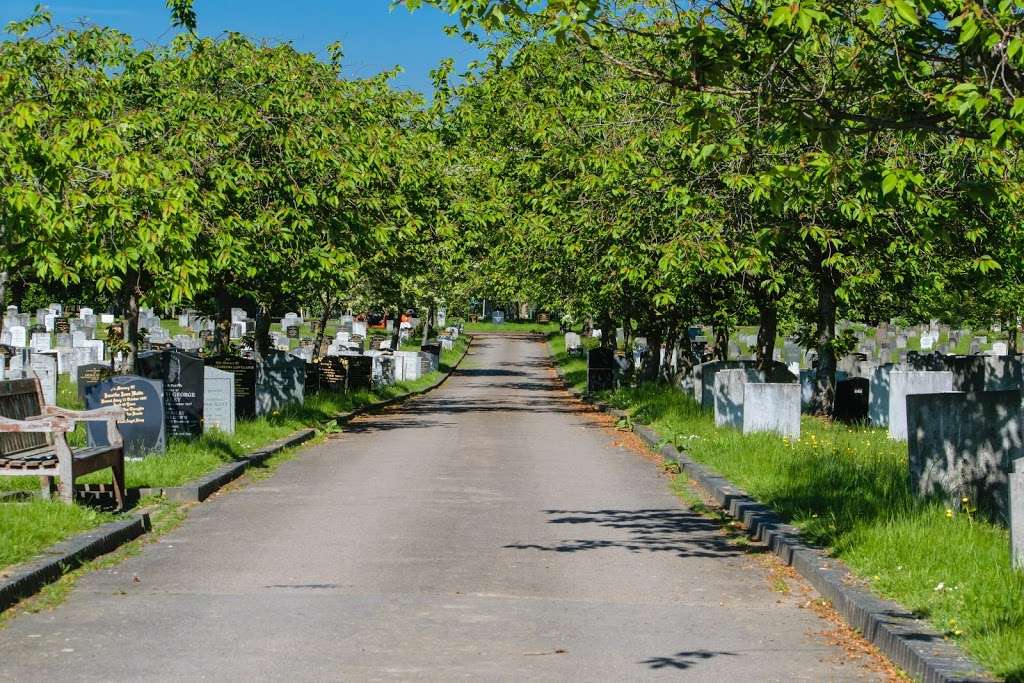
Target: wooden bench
column 33, row 441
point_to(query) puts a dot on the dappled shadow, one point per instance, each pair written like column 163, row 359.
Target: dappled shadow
column 684, row 660
column 679, row 532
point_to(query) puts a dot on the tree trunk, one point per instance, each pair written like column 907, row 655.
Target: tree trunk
column 721, row 342
column 328, row 302
column 825, row 382
column 769, row 319
column 262, row 341
column 1011, row 334
column 3, row 297
column 132, row 331
column 222, row 326
column 428, row 325
column 607, row 331
column 396, row 330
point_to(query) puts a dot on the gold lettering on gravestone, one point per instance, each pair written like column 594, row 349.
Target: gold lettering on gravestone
column 129, row 399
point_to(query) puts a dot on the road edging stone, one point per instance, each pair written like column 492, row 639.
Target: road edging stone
column 909, row 642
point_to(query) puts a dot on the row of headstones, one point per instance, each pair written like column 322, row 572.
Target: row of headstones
column 961, row 443
column 177, row 394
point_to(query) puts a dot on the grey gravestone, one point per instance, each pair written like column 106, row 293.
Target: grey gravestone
column 772, row 407
column 728, row 395
column 903, row 384
column 245, row 373
column 280, row 380
column 143, row 402
column 45, row 367
column 218, row 400
column 182, row 376
column 962, row 444
column 600, row 370
column 90, row 375
column 984, row 373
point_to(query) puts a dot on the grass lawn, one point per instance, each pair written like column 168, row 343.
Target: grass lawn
column 847, row 489
column 28, row 527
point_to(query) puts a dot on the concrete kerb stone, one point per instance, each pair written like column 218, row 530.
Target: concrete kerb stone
column 28, row 578
column 907, row 641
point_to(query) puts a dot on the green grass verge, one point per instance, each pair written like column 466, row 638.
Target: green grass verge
column 26, row 528
column 846, row 489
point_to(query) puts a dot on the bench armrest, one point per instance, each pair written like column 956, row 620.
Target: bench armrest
column 110, row 414
column 52, row 424
column 96, row 415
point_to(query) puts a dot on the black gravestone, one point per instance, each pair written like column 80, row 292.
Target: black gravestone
column 600, row 370
column 333, row 375
column 244, row 370
column 312, row 384
column 143, row 403
column 358, row 372
column 852, row 400
column 183, row 378
column 292, row 332
column 37, row 329
column 90, row 375
column 61, row 325
column 432, row 348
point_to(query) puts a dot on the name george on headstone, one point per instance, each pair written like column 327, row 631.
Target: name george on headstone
column 182, row 376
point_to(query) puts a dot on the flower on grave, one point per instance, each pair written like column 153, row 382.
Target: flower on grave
column 949, row 512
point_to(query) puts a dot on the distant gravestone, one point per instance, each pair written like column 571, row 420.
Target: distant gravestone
column 600, row 370
column 84, row 312
column 359, row 328
column 44, row 365
column 62, row 325
column 498, row 317
column 280, row 380
column 292, row 332
column 244, row 371
column 143, row 402
column 218, row 400
column 107, row 318
column 91, row 374
column 182, row 376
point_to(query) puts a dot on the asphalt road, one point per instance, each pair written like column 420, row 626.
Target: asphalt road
column 488, row 530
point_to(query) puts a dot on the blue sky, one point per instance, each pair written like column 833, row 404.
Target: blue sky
column 375, row 39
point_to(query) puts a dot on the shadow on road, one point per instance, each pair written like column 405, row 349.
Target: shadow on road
column 675, row 531
column 684, row 660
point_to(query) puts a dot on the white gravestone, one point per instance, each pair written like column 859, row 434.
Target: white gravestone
column 1000, row 349
column 359, row 328
column 48, row 321
column 18, row 336
column 41, row 342
column 82, row 313
column 107, row 318
column 218, row 400
column 44, row 365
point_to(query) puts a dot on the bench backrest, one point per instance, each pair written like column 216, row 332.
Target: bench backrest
column 21, row 399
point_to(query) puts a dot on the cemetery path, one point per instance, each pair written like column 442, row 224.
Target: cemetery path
column 486, row 530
